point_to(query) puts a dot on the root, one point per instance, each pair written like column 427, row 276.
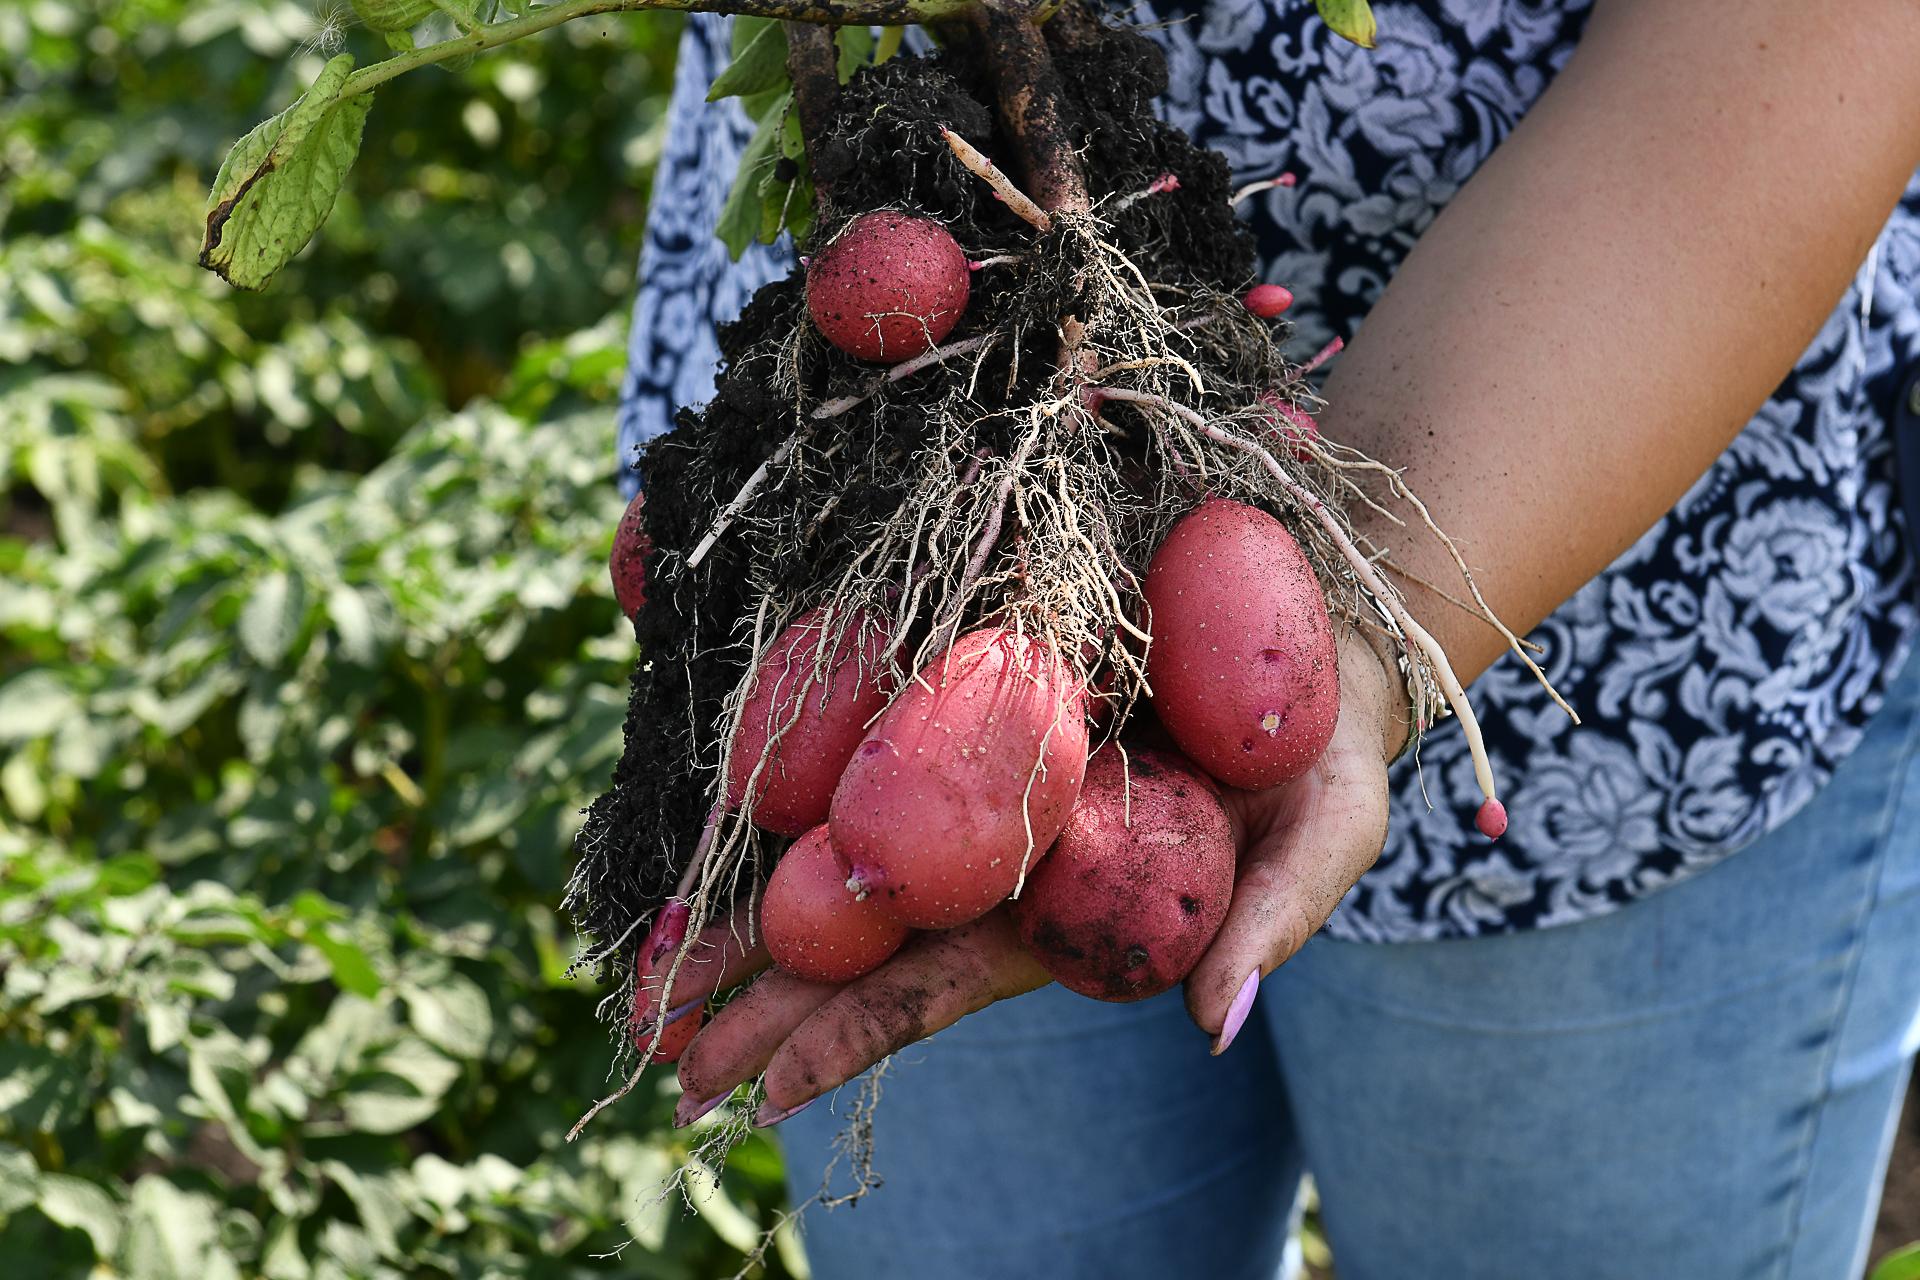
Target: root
column 988, row 172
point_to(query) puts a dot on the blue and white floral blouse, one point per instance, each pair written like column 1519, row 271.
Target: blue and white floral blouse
column 1723, row 666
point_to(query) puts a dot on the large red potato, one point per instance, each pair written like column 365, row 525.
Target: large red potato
column 818, row 929
column 818, row 729
column 1132, row 892
column 1242, row 666
column 965, row 780
column 889, row 287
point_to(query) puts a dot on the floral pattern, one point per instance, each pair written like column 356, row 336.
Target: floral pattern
column 1724, row 665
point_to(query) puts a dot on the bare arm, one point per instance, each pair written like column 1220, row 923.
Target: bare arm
column 1616, row 292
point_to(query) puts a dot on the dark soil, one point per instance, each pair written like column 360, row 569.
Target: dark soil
column 885, row 151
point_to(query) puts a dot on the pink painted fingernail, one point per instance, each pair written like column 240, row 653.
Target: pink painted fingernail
column 644, row 1027
column 682, row 1117
column 768, row 1116
column 1237, row 1013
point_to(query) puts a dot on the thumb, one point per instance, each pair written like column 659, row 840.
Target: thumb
column 1304, row 844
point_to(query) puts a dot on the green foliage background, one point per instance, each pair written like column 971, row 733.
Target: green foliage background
column 308, row 662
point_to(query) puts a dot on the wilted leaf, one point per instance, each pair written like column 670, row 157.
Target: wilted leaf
column 1350, row 18
column 278, row 184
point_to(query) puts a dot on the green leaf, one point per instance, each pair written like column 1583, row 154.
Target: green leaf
column 272, row 617
column 747, row 29
column 84, row 1206
column 888, row 44
column 33, row 705
column 452, row 1014
column 408, row 1083
column 278, row 184
column 793, row 142
column 377, row 1200
column 1350, row 18
column 352, row 970
column 353, row 623
column 1901, row 1264
column 173, row 1235
column 856, row 47
column 759, row 66
column 19, row 1179
column 740, row 219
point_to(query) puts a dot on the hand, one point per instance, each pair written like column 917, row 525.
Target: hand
column 1303, row 844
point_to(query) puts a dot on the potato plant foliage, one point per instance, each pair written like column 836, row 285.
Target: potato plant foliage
column 304, row 675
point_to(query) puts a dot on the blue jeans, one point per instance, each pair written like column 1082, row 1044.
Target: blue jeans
column 1701, row 1085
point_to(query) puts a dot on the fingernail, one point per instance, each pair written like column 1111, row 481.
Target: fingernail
column 682, row 1117
column 1237, row 1013
column 674, row 1015
column 644, row 1029
column 768, row 1116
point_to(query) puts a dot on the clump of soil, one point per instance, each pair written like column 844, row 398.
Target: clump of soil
column 697, row 631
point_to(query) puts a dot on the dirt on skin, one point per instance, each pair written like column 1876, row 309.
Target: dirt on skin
column 696, row 631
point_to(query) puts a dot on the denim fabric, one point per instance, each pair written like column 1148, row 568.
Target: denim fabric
column 1702, row 1085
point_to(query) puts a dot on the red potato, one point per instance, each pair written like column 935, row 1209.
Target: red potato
column 1243, row 667
column 965, row 780
column 818, row 731
column 628, row 563
column 889, row 287
column 818, row 929
column 1133, row 891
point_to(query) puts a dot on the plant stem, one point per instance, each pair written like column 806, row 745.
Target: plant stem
column 813, row 64
column 825, row 12
column 1027, row 91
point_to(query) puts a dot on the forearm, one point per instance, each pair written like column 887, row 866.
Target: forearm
column 1616, row 292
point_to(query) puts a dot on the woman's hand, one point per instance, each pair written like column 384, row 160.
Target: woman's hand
column 1303, row 844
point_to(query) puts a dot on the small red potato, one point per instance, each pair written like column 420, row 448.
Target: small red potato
column 817, row 720
column 889, row 287
column 1268, row 300
column 628, row 563
column 1132, row 892
column 818, row 929
column 1243, row 668
column 964, row 782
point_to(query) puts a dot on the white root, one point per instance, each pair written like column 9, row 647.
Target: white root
column 1253, row 189
column 905, row 369
column 989, row 172
column 740, row 499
